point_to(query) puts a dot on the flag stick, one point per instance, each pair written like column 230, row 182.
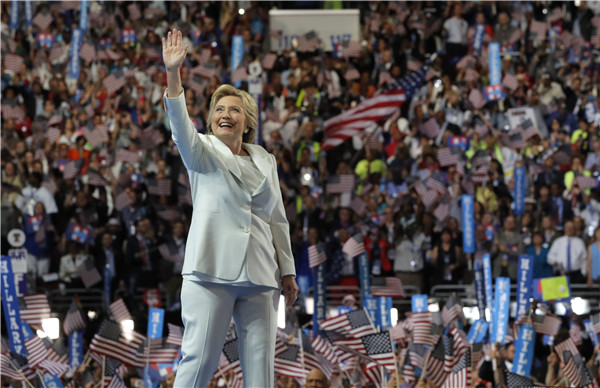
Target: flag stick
column 395, row 364
column 20, row 372
column 103, row 367
column 41, row 378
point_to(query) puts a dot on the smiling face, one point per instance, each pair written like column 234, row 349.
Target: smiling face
column 229, row 118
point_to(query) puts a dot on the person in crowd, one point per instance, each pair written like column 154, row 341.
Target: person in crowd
column 446, row 259
column 538, row 250
column 593, row 259
column 508, row 245
column 214, row 262
column 568, row 255
column 316, row 379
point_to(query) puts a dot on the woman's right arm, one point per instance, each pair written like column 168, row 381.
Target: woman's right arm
column 182, row 129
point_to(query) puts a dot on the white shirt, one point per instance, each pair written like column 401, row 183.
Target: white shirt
column 26, row 202
column 409, row 257
column 558, row 254
column 68, row 266
column 457, row 30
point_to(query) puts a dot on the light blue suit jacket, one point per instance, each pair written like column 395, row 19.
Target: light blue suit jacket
column 223, row 206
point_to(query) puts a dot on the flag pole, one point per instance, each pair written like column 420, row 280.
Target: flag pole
column 103, row 368
column 370, row 320
column 426, row 364
column 300, row 342
column 20, row 372
column 41, row 378
column 395, row 363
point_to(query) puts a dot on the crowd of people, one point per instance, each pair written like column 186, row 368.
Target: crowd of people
column 90, row 172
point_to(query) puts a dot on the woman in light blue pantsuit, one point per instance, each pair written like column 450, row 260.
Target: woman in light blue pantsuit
column 238, row 254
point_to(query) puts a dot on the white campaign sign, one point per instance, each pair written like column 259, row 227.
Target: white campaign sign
column 332, row 26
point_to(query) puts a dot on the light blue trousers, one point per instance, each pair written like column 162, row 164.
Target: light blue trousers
column 206, row 310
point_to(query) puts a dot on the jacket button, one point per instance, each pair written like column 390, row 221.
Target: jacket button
column 247, row 229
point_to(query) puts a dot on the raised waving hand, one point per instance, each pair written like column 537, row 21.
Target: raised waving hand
column 173, row 52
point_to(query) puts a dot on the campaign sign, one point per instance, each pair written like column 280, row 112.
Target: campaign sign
column 320, row 297
column 83, row 16
column 524, row 277
column 468, row 223
column 52, row 381
column 237, row 52
column 370, row 304
column 487, row 280
column 556, row 289
column 76, row 348
column 478, row 37
column 589, row 327
column 419, row 303
column 520, row 189
column 480, row 289
column 477, row 331
column 384, row 309
column 500, row 315
column 495, row 65
column 524, row 351
column 75, row 62
column 364, row 275
column 10, row 302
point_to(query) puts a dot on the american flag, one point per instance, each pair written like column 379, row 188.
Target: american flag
column 53, row 134
column 37, row 308
column 351, row 74
column 477, row 99
column 55, row 119
column 56, row 52
column 54, row 368
column 538, row 28
column 127, row 156
column 516, row 141
column 428, row 197
column 122, row 200
column 42, row 20
column 175, row 336
column 207, row 70
column 461, row 375
column 74, row 319
column 113, row 84
column 528, row 130
column 134, row 11
column 442, row 211
column 515, row 36
column 354, row 246
column 20, row 363
column 353, row 323
column 566, row 345
column 316, row 256
column 289, row 363
column 309, row 41
column 340, row 184
column 430, row 128
column 119, row 311
column 312, row 359
column 323, row 347
column 95, row 178
column 89, row 109
column 423, row 330
column 50, row 186
column 39, row 154
column 374, row 373
column 114, row 56
column 36, row 351
column 434, row 182
column 8, row 370
column 170, row 214
column 231, row 359
column 111, row 341
column 587, row 381
column 385, row 78
column 160, row 187
column 575, row 333
column 388, row 286
column 351, row 49
column 557, row 14
column 89, row 273
column 95, row 134
column 241, row 74
column 398, row 332
column 452, row 310
column 569, row 368
column 205, row 55
column 407, row 370
column 435, row 364
column 466, row 61
column 376, row 346
column 197, row 84
column 566, row 38
column 169, row 254
column 269, row 61
column 372, row 110
column 111, row 377
column 471, row 75
column 413, row 64
column 374, row 24
column 510, row 81
column 69, row 5
column 15, row 112
column 586, row 182
column 417, row 355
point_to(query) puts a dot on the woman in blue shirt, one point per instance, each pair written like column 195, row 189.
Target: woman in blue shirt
column 593, row 263
column 539, row 253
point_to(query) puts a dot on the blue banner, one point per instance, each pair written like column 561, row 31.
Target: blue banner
column 419, row 303
column 237, row 53
column 520, row 190
column 344, row 309
column 384, row 311
column 14, row 14
column 83, row 16
column 10, row 302
column 487, row 280
column 19, row 268
column 500, row 313
column 495, row 65
column 363, row 271
column 589, row 327
column 156, row 319
column 524, row 279
column 75, row 62
column 477, row 331
column 479, row 289
column 478, row 37
column 52, row 381
column 28, row 13
column 370, row 304
column 76, row 348
column 320, row 297
column 524, row 351
column 468, row 223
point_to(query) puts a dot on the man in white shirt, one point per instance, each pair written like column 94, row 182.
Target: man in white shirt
column 568, row 255
column 33, row 193
column 456, row 28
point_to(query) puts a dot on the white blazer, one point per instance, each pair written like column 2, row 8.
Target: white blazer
column 223, row 207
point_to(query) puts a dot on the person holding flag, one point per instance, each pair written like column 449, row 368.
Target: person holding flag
column 239, row 252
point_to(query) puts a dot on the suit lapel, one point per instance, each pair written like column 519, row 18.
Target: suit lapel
column 262, row 162
column 226, row 156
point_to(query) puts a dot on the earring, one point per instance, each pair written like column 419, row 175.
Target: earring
column 246, row 131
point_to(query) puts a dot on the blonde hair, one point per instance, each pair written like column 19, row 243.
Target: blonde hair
column 250, row 108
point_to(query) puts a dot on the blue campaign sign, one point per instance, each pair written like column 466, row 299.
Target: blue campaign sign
column 76, row 348
column 482, row 333
column 370, row 304
column 364, row 275
column 495, row 65
column 14, row 14
column 500, row 315
column 384, row 311
column 10, row 302
column 477, row 331
column 524, row 351
column 344, row 309
column 589, row 327
column 75, row 62
column 19, row 268
column 28, row 13
column 419, row 303
column 156, row 319
column 480, row 289
column 487, row 280
column 520, row 190
column 237, row 52
column 83, row 16
column 524, row 278
column 51, row 381
column 320, row 297
column 468, row 223
column 478, row 37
